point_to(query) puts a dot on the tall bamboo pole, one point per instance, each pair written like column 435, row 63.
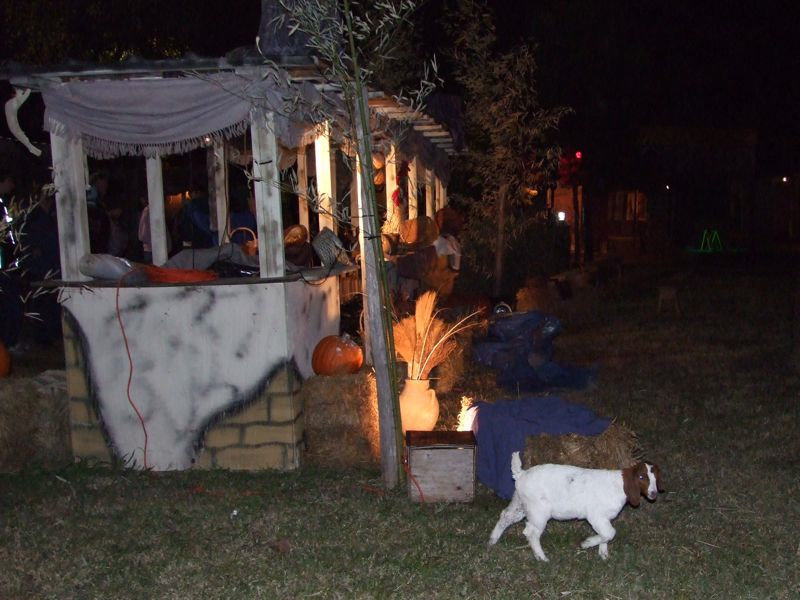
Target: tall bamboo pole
column 379, row 317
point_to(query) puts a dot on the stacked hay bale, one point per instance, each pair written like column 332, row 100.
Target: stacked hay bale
column 34, row 422
column 341, row 420
column 615, row 448
column 452, row 369
column 536, row 294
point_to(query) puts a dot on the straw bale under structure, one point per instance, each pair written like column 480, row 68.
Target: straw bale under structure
column 34, row 422
column 615, row 448
column 341, row 419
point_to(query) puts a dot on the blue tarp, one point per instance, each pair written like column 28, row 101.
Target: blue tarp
column 502, row 428
column 520, row 346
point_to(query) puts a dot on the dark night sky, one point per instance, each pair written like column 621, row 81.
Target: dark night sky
column 620, row 65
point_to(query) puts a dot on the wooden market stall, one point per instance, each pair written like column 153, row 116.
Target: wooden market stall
column 174, row 375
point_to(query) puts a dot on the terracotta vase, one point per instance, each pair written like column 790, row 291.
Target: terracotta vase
column 419, row 408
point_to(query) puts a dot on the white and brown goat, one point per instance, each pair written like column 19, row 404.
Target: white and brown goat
column 565, row 492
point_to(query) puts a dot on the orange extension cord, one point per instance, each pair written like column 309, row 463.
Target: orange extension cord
column 414, row 480
column 130, row 364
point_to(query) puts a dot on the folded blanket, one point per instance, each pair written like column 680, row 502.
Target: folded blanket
column 502, row 428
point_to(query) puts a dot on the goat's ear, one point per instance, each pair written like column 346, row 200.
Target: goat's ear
column 657, row 473
column 630, row 486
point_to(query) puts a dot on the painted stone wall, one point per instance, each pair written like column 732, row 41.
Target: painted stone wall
column 217, row 366
column 311, row 308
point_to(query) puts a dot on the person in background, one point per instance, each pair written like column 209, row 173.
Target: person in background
column 241, row 216
column 42, row 261
column 193, row 222
column 118, row 242
column 99, row 223
column 11, row 308
column 9, row 240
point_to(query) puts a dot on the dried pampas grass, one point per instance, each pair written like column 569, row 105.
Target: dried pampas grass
column 423, row 340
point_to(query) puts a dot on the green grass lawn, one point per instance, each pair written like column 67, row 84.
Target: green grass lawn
column 713, row 395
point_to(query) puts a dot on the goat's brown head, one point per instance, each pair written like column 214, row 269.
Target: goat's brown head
column 642, row 479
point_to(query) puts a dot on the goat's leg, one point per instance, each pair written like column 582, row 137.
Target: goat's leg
column 534, row 529
column 512, row 514
column 605, row 533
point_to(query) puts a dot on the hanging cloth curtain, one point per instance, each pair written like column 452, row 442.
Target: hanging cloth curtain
column 153, row 117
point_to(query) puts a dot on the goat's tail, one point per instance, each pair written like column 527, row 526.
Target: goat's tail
column 516, row 466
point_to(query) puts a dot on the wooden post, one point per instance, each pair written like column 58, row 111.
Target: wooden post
column 334, row 201
column 413, row 190
column 269, row 216
column 391, row 182
column 436, row 195
column 441, row 194
column 357, row 218
column 155, row 201
column 355, row 186
column 378, row 323
column 302, row 188
column 430, row 205
column 322, row 161
column 218, row 205
column 69, row 177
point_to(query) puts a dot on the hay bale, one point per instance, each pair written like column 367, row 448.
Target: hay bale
column 34, row 422
column 449, row 372
column 615, row 448
column 536, row 295
column 452, row 370
column 341, row 419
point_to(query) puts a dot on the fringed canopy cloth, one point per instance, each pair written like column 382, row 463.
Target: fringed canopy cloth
column 155, row 117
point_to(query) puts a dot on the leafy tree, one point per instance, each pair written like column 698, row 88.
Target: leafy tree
column 509, row 136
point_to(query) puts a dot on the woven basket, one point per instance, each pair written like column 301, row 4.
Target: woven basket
column 329, row 248
column 250, row 247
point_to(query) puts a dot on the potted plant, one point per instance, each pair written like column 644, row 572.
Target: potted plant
column 423, row 341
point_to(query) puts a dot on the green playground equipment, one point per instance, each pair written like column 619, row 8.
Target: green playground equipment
column 710, row 242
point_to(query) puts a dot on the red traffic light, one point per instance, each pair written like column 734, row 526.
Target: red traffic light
column 579, row 155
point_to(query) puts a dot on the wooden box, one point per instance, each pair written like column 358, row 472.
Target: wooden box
column 441, row 466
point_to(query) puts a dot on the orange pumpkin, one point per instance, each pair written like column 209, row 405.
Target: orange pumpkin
column 335, row 355
column 5, row 361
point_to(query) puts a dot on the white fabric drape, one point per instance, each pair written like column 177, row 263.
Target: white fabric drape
column 154, row 117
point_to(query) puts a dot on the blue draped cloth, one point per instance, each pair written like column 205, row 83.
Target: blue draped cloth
column 502, row 428
column 520, row 347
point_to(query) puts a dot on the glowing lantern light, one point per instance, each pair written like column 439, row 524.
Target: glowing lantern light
column 562, row 216
column 466, row 417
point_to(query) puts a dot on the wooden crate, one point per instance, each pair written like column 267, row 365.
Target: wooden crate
column 442, row 465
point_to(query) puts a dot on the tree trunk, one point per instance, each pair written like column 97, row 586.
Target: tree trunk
column 500, row 242
column 576, row 226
